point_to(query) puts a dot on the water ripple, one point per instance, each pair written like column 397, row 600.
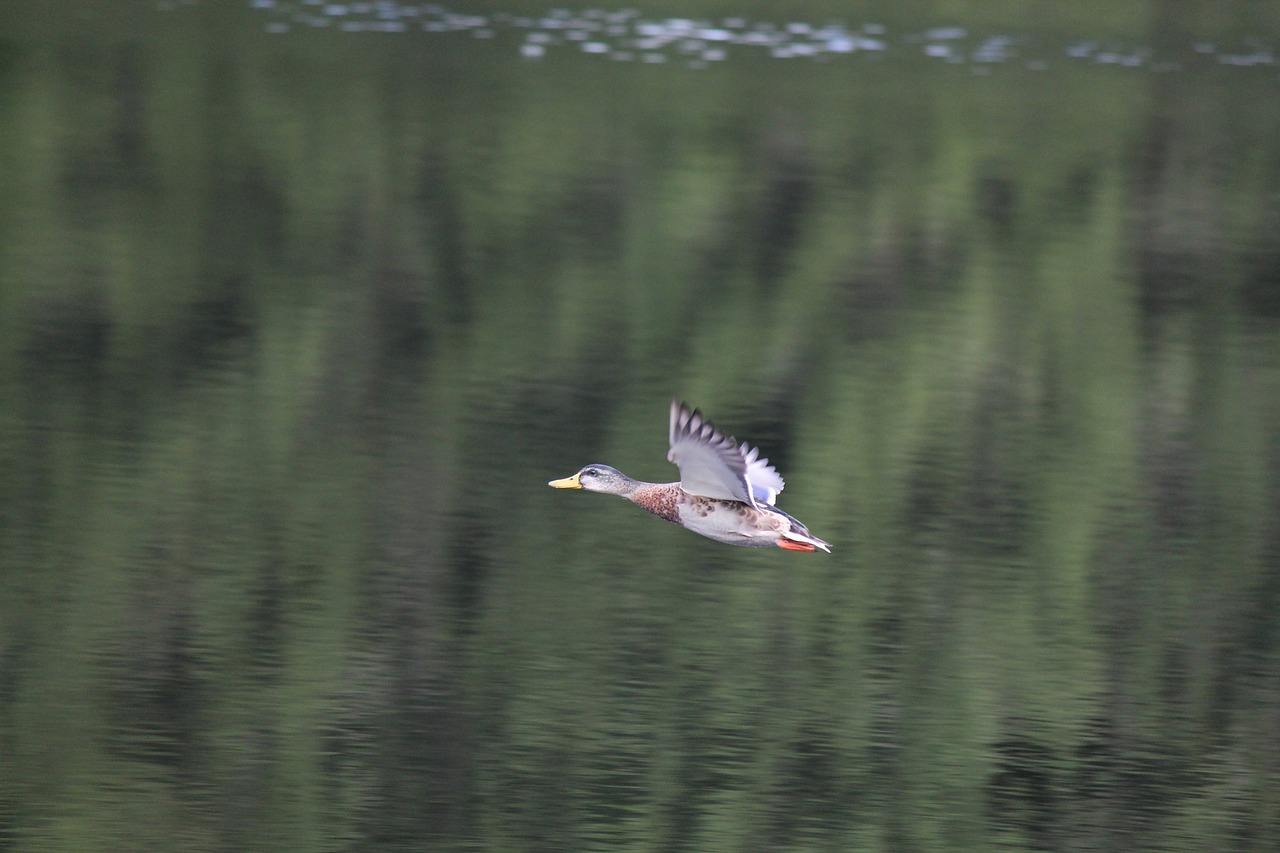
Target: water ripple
column 627, row 34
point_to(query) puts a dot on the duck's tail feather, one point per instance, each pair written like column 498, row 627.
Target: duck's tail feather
column 798, row 538
column 795, row 541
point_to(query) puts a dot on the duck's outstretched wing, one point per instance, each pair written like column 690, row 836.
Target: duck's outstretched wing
column 713, row 465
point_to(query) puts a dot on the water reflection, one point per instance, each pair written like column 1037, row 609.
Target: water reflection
column 629, row 35
column 286, row 367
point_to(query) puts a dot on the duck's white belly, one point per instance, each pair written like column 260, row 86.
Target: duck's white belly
column 729, row 521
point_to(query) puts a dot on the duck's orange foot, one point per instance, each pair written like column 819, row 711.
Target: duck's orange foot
column 789, row 545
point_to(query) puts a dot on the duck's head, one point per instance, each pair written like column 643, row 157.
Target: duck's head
column 597, row 478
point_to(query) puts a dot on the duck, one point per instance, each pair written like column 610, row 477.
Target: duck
column 726, row 491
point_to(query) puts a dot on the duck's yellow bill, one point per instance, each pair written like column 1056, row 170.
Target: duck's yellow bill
column 566, row 483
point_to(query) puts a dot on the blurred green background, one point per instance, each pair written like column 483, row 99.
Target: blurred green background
column 296, row 321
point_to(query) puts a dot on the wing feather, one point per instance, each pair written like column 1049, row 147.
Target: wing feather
column 765, row 480
column 714, row 465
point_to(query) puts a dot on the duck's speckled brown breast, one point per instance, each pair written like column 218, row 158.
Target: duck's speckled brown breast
column 663, row 501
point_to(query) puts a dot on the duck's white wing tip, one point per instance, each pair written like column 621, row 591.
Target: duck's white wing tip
column 765, row 480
